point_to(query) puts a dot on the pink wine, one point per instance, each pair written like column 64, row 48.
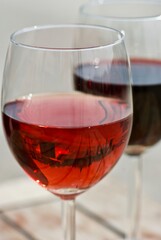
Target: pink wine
column 67, row 141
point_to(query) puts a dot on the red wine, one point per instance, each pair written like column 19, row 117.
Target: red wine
column 103, row 80
column 67, row 141
column 146, row 130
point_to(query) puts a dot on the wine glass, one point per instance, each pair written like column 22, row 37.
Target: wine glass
column 65, row 139
column 140, row 20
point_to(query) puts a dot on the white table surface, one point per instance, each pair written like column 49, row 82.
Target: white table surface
column 29, row 212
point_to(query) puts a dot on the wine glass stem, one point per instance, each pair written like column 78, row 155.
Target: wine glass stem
column 68, row 219
column 137, row 201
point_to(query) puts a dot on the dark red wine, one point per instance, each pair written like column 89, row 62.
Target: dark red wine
column 67, row 141
column 146, row 130
column 103, row 80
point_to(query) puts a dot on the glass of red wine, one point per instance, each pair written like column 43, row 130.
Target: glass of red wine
column 141, row 22
column 64, row 138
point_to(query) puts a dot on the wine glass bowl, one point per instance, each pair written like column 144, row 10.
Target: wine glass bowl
column 65, row 138
column 141, row 32
column 146, row 130
column 141, row 22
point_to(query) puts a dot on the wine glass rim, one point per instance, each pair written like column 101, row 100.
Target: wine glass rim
column 92, row 3
column 120, row 38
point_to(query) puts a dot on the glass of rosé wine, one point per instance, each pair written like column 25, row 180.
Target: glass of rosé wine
column 64, row 138
column 141, row 22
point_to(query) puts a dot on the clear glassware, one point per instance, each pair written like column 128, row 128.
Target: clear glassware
column 141, row 22
column 67, row 107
